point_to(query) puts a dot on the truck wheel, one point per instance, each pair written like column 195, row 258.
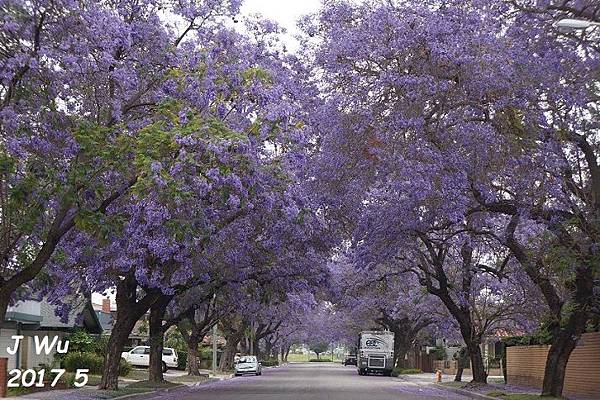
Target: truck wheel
column 164, row 367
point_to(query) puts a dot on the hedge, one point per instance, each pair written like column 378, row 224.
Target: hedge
column 405, row 371
column 182, row 357
column 270, row 362
column 92, row 361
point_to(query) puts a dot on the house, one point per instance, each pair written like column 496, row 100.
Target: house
column 32, row 318
column 106, row 313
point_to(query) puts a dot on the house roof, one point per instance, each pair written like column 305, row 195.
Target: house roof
column 40, row 315
column 106, row 320
column 82, row 315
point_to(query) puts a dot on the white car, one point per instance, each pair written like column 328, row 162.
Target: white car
column 140, row 357
column 248, row 365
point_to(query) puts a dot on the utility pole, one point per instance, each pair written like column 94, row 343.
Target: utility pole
column 214, row 341
column 252, row 333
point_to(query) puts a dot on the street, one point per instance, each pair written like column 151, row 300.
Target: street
column 312, row 381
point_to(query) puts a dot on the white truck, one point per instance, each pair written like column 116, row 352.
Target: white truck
column 375, row 352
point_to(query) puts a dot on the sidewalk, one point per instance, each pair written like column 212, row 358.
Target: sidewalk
column 92, row 393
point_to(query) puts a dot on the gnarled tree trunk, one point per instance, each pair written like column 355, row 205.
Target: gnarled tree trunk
column 129, row 311
column 157, row 338
column 192, row 362
column 565, row 336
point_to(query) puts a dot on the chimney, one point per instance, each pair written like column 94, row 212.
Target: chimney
column 106, row 305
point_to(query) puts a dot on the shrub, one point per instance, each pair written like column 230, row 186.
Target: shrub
column 439, row 352
column 320, row 360
column 273, row 362
column 206, row 353
column 95, row 363
column 82, row 342
column 80, row 360
column 182, row 357
column 405, row 371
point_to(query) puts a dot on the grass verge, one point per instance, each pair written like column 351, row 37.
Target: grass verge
column 153, row 385
column 126, row 391
column 458, row 385
column 518, row 396
column 189, row 379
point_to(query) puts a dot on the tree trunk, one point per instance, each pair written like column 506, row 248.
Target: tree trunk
column 255, row 347
column 4, row 301
column 401, row 345
column 472, row 340
column 244, row 345
column 268, row 349
column 129, row 311
column 477, row 366
column 120, row 332
column 556, row 365
column 287, row 353
column 229, row 352
column 157, row 338
column 192, row 361
column 458, row 376
column 565, row 338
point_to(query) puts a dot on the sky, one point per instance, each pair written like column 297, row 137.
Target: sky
column 284, row 12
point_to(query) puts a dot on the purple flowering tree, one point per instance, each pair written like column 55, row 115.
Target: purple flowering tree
column 78, row 82
column 414, row 112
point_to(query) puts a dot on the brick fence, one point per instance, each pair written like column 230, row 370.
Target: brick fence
column 3, row 375
column 526, row 365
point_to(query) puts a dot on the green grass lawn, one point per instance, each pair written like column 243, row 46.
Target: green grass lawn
column 188, row 379
column 137, row 374
column 453, row 384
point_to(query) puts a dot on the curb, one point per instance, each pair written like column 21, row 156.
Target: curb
column 466, row 393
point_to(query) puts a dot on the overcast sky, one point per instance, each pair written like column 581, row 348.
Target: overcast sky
column 284, row 12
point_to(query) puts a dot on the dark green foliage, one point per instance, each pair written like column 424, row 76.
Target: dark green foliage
column 272, row 362
column 79, row 360
column 182, row 357
column 405, row 371
column 439, row 352
column 82, row 342
column 319, row 348
column 92, row 361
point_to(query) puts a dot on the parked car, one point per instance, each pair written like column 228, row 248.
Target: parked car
column 350, row 360
column 140, row 357
column 248, row 365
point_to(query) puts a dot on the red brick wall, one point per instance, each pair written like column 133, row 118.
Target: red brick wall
column 3, row 376
column 526, row 364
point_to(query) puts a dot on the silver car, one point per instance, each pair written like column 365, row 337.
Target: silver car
column 248, row 365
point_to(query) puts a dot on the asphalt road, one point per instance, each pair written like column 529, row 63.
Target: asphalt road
column 313, row 381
